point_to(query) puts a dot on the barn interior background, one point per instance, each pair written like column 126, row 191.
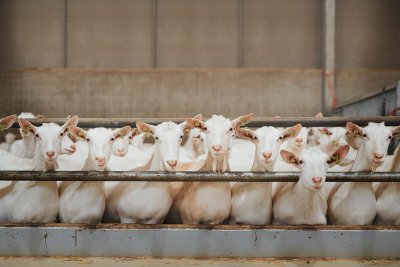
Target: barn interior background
column 176, row 58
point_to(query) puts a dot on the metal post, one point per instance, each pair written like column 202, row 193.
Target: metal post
column 328, row 91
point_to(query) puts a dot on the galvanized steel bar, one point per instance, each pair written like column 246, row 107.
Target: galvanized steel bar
column 193, row 176
column 257, row 122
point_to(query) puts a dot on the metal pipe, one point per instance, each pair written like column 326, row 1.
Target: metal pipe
column 258, row 122
column 194, row 176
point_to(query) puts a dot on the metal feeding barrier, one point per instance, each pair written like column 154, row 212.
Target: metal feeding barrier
column 121, row 240
column 123, row 176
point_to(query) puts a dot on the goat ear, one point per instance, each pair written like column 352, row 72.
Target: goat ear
column 319, row 115
column 184, row 125
column 338, row 155
column 121, row 132
column 145, row 128
column 291, row 132
column 135, row 132
column 245, row 133
column 196, row 123
column 7, row 122
column 396, row 131
column 290, row 158
column 77, row 132
column 354, row 130
column 26, row 126
column 71, row 121
column 242, row 120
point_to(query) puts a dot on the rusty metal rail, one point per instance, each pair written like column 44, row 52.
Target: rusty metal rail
column 193, row 176
column 257, row 122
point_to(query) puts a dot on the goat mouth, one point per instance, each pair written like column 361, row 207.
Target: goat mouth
column 267, row 161
column 378, row 161
column 100, row 164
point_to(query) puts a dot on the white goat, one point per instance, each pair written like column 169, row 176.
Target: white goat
column 9, row 140
column 84, row 202
column 252, row 202
column 34, row 201
column 195, row 144
column 208, row 202
column 354, row 203
column 148, row 202
column 388, row 195
column 303, row 202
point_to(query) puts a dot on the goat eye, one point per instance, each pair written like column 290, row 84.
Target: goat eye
column 130, row 137
column 112, row 138
column 37, row 135
column 88, row 139
column 156, row 138
column 390, row 137
column 280, row 137
column 205, row 128
column 231, row 129
column 181, row 137
column 255, row 138
column 364, row 135
column 62, row 134
column 301, row 161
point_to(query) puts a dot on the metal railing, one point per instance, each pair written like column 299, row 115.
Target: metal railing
column 192, row 176
column 257, row 122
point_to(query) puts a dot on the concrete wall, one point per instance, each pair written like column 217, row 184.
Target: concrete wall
column 367, row 34
column 281, row 38
column 161, row 93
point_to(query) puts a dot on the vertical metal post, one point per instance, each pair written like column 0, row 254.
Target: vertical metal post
column 328, row 90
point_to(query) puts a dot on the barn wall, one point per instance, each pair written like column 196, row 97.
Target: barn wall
column 144, row 36
column 161, row 93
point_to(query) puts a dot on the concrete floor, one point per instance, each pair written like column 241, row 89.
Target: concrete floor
column 118, row 261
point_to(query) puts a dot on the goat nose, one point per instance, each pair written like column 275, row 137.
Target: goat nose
column 100, row 159
column 50, row 153
column 378, row 155
column 267, row 155
column 317, row 180
column 299, row 140
column 217, row 148
column 172, row 163
column 120, row 150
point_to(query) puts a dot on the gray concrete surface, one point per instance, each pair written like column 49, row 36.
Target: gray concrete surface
column 282, row 34
column 109, row 34
column 223, row 262
column 31, row 33
column 161, row 93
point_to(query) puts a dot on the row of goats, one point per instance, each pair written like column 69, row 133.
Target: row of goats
column 216, row 145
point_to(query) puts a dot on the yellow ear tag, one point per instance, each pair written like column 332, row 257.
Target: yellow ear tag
column 80, row 134
column 293, row 160
column 196, row 124
column 122, row 134
column 336, row 158
column 145, row 129
column 2, row 127
column 291, row 132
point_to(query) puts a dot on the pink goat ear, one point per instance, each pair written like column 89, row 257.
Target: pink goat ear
column 26, row 126
column 7, row 122
column 78, row 132
column 145, row 128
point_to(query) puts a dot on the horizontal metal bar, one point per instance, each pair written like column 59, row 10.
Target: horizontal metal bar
column 257, row 122
column 194, row 176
